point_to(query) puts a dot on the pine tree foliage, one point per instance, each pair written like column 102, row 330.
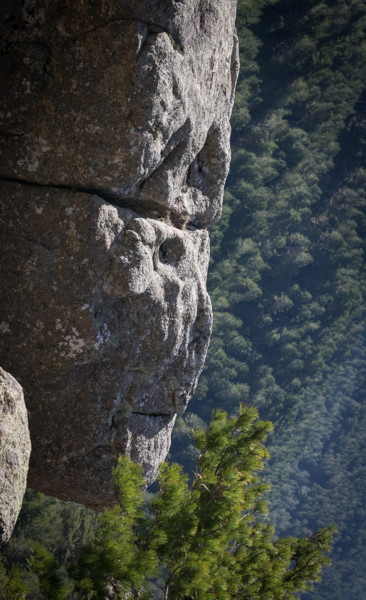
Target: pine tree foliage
column 12, row 586
column 47, row 570
column 208, row 540
column 47, row 526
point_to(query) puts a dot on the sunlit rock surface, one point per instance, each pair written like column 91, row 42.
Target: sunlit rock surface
column 14, row 452
column 129, row 98
column 112, row 319
column 114, row 141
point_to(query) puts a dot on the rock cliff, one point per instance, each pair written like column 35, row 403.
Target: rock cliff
column 114, row 141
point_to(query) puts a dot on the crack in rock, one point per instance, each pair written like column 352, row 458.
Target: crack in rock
column 115, row 147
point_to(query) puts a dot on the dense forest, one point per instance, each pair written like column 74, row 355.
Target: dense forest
column 287, row 281
column 287, row 276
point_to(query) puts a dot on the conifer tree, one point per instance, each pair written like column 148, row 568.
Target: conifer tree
column 206, row 540
column 12, row 586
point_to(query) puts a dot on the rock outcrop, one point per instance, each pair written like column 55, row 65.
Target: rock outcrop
column 14, row 452
column 114, row 140
column 112, row 320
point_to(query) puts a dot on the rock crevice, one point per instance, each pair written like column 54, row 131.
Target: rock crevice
column 146, row 209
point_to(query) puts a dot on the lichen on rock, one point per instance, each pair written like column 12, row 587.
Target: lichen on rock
column 14, row 452
column 115, row 149
column 128, row 98
column 112, row 314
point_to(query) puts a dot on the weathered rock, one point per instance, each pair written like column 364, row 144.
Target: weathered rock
column 126, row 98
column 14, row 452
column 114, row 141
column 112, row 320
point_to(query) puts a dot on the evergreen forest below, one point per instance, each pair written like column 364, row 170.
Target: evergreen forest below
column 287, row 281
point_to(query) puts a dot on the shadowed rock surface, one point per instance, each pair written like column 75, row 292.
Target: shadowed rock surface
column 114, row 140
column 15, row 449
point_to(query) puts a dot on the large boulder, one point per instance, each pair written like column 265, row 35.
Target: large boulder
column 15, row 449
column 115, row 149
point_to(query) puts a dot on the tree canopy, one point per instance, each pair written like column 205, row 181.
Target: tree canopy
column 208, row 539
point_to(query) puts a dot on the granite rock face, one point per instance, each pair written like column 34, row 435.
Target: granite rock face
column 127, row 98
column 114, row 141
column 15, row 450
column 112, row 319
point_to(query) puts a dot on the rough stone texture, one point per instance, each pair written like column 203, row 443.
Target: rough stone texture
column 128, row 98
column 112, row 320
column 15, row 449
column 114, row 142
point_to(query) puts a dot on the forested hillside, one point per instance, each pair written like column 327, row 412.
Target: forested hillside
column 325, row 480
column 288, row 271
column 287, row 274
column 287, row 278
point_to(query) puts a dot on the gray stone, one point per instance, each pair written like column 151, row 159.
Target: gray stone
column 129, row 99
column 112, row 320
column 114, row 142
column 15, row 449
